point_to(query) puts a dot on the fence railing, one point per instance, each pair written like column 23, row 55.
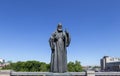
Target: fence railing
column 47, row 74
column 87, row 73
column 107, row 73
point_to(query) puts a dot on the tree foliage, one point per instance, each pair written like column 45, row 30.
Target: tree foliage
column 74, row 66
column 29, row 66
column 36, row 66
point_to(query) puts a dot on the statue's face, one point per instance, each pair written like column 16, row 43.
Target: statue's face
column 59, row 28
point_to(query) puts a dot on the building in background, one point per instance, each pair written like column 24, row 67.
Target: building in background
column 110, row 64
column 2, row 63
column 95, row 68
column 2, row 60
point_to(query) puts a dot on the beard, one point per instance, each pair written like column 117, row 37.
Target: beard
column 59, row 30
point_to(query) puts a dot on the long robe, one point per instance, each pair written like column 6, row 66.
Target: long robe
column 58, row 43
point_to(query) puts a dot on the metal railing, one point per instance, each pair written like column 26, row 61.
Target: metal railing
column 107, row 73
column 47, row 74
column 87, row 73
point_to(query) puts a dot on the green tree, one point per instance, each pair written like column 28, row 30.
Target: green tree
column 74, row 66
column 71, row 67
column 35, row 66
column 78, row 67
column 43, row 67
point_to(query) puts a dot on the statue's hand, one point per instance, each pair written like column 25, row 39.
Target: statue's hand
column 55, row 39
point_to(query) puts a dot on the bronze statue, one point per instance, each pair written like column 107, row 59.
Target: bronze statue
column 59, row 40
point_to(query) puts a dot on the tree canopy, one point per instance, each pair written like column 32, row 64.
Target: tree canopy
column 36, row 66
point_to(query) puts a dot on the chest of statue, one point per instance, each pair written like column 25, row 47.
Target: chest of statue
column 60, row 35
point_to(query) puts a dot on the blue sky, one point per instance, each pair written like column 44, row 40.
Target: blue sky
column 26, row 25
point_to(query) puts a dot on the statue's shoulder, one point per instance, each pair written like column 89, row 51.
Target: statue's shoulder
column 64, row 33
column 54, row 33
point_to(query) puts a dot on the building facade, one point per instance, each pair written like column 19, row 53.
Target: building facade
column 110, row 63
column 2, row 62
